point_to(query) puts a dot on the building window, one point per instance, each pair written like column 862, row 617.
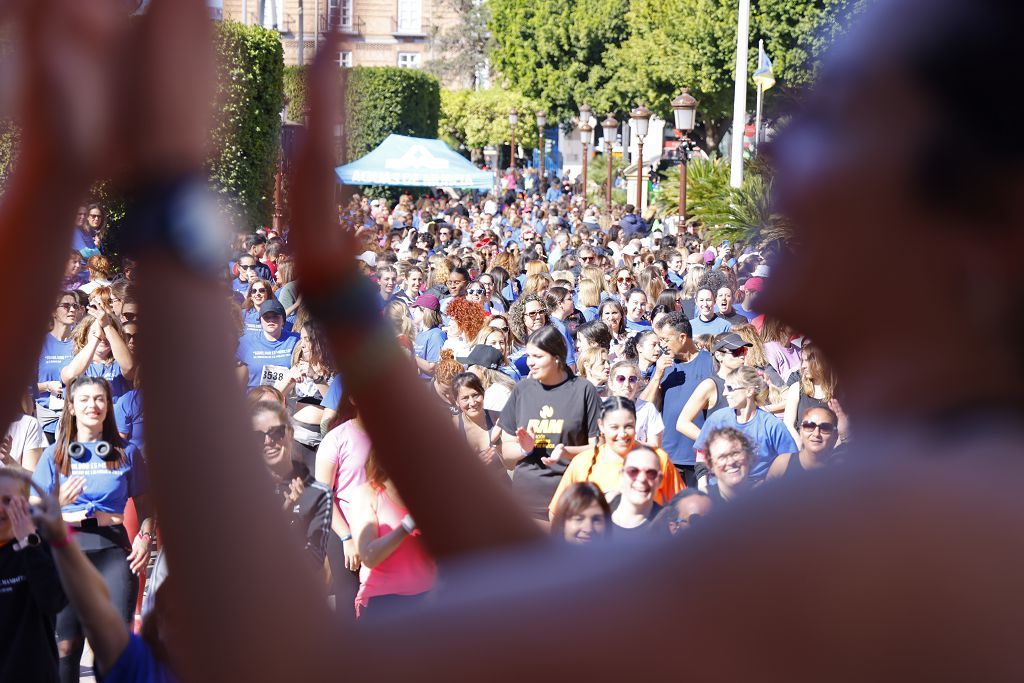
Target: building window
column 345, row 58
column 409, row 60
column 339, row 14
column 409, row 16
column 273, row 14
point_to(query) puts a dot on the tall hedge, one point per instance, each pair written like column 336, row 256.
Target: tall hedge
column 384, row 100
column 248, row 124
column 8, row 147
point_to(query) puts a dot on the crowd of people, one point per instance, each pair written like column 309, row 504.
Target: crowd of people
column 425, row 411
column 612, row 381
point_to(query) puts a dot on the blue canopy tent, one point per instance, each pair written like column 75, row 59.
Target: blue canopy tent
column 405, row 161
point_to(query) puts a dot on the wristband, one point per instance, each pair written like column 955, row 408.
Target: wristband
column 183, row 217
column 346, row 537
column 64, row 542
column 408, row 524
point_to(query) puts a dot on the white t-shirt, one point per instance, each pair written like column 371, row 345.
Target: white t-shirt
column 648, row 422
column 25, row 434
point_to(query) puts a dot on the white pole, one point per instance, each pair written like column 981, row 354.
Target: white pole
column 316, row 29
column 302, row 36
column 245, row 12
column 739, row 109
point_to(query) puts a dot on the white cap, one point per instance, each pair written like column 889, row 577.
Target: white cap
column 369, row 258
column 762, row 271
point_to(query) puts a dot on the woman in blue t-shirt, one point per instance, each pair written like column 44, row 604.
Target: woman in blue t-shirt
column 259, row 291
column 94, row 489
column 101, row 351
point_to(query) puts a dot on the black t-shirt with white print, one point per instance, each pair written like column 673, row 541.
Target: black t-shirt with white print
column 563, row 413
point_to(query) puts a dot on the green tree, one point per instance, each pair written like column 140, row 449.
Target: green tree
column 554, row 51
column 671, row 43
column 474, row 119
column 381, row 100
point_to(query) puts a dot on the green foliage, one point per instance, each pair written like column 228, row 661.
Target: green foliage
column 597, row 176
column 295, row 92
column 247, row 131
column 385, row 100
column 554, row 51
column 742, row 214
column 477, row 118
column 613, row 54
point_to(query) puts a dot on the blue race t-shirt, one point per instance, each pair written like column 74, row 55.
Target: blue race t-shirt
column 268, row 360
column 428, row 345
column 128, row 415
column 570, row 358
column 716, row 325
column 105, row 490
column 54, row 356
column 137, row 665
column 677, row 385
column 638, row 326
column 119, row 386
column 332, row 399
column 768, row 433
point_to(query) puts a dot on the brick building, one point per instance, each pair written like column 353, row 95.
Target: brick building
column 374, row 32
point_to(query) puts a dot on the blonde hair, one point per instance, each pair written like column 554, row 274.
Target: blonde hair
column 536, row 267
column 588, row 358
column 691, row 283
column 590, row 293
column 537, row 283
column 750, row 378
column 398, row 313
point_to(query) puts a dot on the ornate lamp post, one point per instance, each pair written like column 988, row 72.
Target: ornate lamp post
column 611, row 127
column 684, row 108
column 513, row 119
column 641, row 117
column 542, row 119
column 586, row 130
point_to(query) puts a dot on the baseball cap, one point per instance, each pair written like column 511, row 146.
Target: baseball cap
column 272, row 306
column 753, row 284
column 369, row 258
column 730, row 342
column 484, row 356
column 426, row 301
column 762, row 271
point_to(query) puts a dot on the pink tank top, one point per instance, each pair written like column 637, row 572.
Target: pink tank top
column 407, row 571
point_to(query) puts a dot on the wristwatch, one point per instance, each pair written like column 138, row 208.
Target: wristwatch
column 30, row 541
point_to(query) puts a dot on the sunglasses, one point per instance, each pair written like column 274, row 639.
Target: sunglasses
column 826, row 428
column 622, row 379
column 729, row 388
column 586, row 259
column 687, row 521
column 535, row 314
column 736, row 353
column 128, row 338
column 650, row 475
column 241, row 267
column 69, row 307
column 474, row 291
column 129, row 317
column 275, row 434
column 625, row 279
column 95, row 215
column 259, row 290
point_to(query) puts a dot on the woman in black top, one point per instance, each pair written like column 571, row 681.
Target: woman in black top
column 632, row 504
column 819, row 432
column 550, row 416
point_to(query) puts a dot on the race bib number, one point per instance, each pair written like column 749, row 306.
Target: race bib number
column 54, row 402
column 272, row 374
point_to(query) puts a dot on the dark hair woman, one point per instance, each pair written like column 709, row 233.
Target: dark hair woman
column 550, row 416
column 582, row 515
column 475, row 423
column 259, row 291
column 396, row 569
column 97, row 475
column 304, row 387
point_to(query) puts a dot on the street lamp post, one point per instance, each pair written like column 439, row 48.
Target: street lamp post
column 513, row 119
column 611, row 127
column 684, row 108
column 641, row 120
column 542, row 120
column 585, row 131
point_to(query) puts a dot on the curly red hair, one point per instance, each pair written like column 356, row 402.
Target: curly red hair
column 468, row 315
